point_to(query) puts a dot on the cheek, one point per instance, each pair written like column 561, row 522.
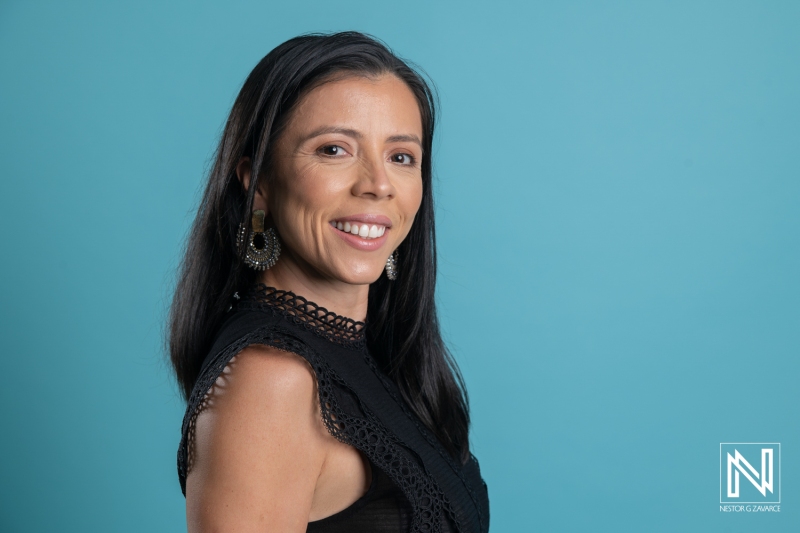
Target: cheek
column 315, row 187
column 302, row 205
column 291, row 194
column 412, row 198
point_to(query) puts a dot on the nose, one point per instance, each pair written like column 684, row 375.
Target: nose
column 373, row 178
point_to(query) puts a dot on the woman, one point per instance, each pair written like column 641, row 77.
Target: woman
column 319, row 208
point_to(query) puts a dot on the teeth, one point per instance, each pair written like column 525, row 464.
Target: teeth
column 365, row 231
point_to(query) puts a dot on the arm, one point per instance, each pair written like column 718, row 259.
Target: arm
column 258, row 447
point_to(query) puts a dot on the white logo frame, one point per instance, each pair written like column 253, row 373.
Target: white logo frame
column 724, row 481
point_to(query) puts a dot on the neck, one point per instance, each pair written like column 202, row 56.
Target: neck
column 342, row 298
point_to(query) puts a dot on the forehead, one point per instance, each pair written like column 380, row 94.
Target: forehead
column 383, row 102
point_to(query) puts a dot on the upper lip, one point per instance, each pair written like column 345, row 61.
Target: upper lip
column 364, row 218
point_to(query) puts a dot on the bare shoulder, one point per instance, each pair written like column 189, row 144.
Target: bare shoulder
column 265, row 374
column 259, row 446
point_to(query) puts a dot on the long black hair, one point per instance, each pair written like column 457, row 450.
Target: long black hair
column 402, row 325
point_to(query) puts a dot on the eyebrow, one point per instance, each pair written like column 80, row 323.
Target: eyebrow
column 357, row 135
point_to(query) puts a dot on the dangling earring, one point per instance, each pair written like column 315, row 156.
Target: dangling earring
column 391, row 266
column 263, row 247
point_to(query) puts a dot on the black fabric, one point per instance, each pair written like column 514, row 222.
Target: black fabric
column 416, row 485
column 382, row 509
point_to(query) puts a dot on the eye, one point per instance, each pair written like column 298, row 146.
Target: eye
column 332, row 150
column 409, row 160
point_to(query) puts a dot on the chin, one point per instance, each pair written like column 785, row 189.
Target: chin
column 359, row 275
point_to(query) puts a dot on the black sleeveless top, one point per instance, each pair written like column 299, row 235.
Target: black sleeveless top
column 416, row 485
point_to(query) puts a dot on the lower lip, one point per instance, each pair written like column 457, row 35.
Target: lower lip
column 360, row 243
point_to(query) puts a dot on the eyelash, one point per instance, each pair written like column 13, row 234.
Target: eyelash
column 410, row 156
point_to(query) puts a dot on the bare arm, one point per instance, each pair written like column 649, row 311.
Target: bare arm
column 258, row 448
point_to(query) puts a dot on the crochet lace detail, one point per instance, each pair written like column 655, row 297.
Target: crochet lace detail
column 355, row 425
column 432, row 441
column 337, row 328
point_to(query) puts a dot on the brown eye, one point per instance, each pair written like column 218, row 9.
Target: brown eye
column 332, row 150
column 406, row 159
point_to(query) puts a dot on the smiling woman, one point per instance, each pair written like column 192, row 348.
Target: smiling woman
column 303, row 329
column 348, row 155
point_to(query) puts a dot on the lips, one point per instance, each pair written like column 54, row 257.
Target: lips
column 364, row 232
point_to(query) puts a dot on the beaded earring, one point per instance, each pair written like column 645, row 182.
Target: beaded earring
column 263, row 247
column 391, row 266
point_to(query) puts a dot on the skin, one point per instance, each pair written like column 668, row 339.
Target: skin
column 262, row 458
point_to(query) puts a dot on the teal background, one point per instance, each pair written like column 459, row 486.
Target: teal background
column 618, row 202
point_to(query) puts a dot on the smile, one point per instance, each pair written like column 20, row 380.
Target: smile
column 365, row 231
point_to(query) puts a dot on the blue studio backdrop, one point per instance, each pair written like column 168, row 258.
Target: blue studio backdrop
column 618, row 195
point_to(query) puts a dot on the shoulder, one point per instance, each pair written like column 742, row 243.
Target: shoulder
column 259, row 442
column 262, row 373
column 265, row 388
column 261, row 392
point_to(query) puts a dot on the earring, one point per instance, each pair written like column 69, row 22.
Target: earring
column 391, row 266
column 263, row 247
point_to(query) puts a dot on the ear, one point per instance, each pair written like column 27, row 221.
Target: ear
column 243, row 172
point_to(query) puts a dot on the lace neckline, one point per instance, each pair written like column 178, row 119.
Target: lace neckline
column 337, row 328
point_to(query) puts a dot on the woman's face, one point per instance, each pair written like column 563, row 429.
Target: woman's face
column 346, row 180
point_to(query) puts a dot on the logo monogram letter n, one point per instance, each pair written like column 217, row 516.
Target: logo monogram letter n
column 740, row 464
